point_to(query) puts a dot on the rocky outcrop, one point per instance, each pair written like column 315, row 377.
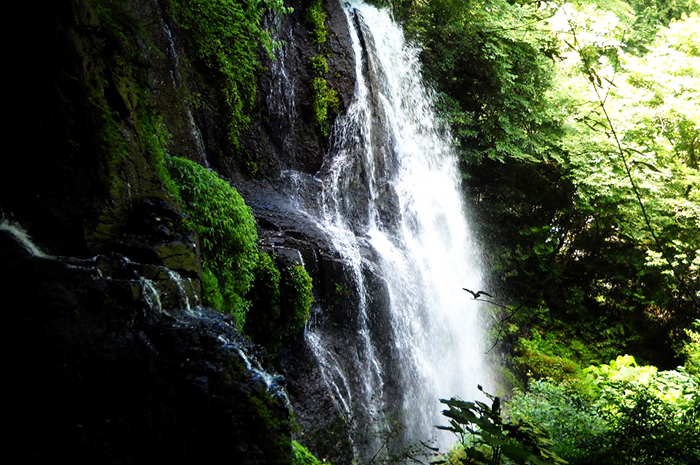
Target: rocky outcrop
column 106, row 366
column 284, row 136
column 111, row 359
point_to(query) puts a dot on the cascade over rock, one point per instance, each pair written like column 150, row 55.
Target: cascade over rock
column 114, row 359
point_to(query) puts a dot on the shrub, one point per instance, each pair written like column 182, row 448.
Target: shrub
column 635, row 414
column 573, row 422
column 226, row 229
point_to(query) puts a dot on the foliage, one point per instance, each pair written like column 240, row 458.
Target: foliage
column 573, row 422
column 302, row 456
column 628, row 414
column 281, row 297
column 545, row 365
column 652, row 433
column 325, row 103
column 226, row 37
column 648, row 15
column 691, row 350
column 296, row 289
column 486, row 438
column 227, row 234
column 316, row 20
column 627, row 167
column 492, row 63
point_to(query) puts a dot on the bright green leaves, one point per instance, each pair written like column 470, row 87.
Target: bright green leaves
column 632, row 144
column 487, row 438
column 691, row 350
column 325, row 104
column 325, row 99
column 227, row 236
column 316, row 20
column 620, row 412
column 492, row 60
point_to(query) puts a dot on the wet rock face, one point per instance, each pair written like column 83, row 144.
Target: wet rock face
column 99, row 372
column 106, row 365
column 284, row 137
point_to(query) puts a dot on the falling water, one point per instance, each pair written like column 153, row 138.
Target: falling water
column 21, row 237
column 391, row 205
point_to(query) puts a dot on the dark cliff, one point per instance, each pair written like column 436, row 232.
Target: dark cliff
column 106, row 364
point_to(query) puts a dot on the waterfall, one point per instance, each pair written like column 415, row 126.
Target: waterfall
column 22, row 238
column 391, row 205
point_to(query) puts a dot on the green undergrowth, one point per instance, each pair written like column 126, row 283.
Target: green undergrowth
column 227, row 235
column 620, row 412
column 269, row 300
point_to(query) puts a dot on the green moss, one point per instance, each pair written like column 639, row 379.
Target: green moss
column 226, row 229
column 302, row 456
column 281, row 300
column 227, row 38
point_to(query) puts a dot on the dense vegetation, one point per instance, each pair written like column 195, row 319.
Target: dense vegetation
column 578, row 127
column 579, row 152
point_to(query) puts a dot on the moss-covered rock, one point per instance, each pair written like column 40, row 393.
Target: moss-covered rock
column 109, row 370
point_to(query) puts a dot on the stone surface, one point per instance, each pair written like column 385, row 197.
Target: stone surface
column 104, row 362
column 101, row 373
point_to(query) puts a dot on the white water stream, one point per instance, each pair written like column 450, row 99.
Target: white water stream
column 391, row 187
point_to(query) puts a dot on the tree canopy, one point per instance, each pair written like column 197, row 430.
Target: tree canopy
column 578, row 127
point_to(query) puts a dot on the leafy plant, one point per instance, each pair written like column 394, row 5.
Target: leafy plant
column 325, row 103
column 691, row 350
column 316, row 19
column 628, row 414
column 281, row 299
column 297, row 291
column 487, row 438
column 574, row 423
column 226, row 229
